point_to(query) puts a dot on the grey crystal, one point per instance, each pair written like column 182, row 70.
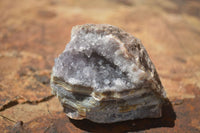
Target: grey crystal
column 105, row 75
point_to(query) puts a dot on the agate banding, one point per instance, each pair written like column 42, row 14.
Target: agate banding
column 105, row 75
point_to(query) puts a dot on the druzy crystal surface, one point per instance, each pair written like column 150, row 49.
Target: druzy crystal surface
column 105, row 75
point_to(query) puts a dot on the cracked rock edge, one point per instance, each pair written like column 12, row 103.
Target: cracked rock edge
column 105, row 75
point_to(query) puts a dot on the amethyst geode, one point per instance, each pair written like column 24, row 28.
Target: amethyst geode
column 105, row 75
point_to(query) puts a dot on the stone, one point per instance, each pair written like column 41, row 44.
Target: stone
column 105, row 75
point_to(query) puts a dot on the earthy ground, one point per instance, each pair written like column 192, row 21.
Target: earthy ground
column 33, row 33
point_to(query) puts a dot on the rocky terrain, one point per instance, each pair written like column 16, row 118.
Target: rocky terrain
column 33, row 33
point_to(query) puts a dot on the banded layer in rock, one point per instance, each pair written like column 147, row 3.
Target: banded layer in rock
column 105, row 75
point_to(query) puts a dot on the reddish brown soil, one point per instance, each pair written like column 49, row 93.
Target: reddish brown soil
column 33, row 33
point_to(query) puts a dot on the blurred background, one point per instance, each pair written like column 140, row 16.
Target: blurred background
column 34, row 32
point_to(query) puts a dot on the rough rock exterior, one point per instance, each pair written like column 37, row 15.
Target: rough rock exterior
column 105, row 75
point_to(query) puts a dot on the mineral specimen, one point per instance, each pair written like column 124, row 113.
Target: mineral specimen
column 105, row 75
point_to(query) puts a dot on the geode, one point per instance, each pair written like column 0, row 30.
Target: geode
column 105, row 75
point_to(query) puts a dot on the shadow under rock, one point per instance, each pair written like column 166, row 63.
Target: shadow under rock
column 167, row 120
